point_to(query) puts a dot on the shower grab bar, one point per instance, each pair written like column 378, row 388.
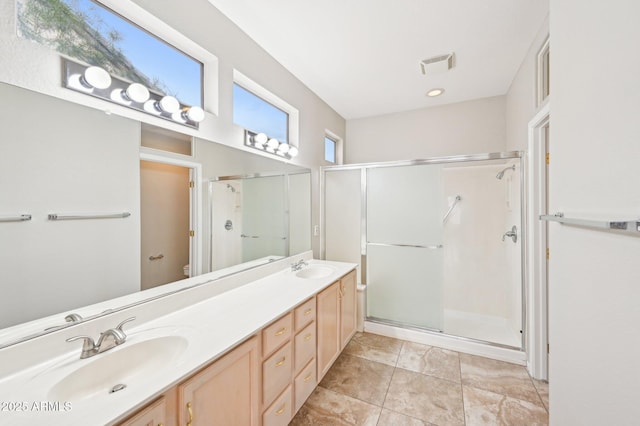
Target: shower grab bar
column 21, row 218
column 56, row 216
column 630, row 226
column 433, row 247
column 453, row 205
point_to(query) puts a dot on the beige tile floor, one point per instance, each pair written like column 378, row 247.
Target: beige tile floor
column 388, row 382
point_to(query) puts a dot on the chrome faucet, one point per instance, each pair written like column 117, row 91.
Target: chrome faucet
column 298, row 265
column 108, row 339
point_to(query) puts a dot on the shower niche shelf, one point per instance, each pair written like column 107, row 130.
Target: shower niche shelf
column 629, row 226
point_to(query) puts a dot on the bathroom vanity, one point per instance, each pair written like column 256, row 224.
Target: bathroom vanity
column 249, row 356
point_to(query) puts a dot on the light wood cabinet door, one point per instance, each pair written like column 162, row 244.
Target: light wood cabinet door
column 348, row 317
column 225, row 393
column 328, row 322
column 154, row 414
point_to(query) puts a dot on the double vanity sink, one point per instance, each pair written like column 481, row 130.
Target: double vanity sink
column 158, row 352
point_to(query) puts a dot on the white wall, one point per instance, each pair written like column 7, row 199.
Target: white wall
column 471, row 127
column 594, row 276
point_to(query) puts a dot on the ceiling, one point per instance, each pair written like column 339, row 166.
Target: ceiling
column 362, row 56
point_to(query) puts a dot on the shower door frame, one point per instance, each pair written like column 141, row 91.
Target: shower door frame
column 363, row 167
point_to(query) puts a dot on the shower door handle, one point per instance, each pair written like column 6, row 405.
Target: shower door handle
column 513, row 234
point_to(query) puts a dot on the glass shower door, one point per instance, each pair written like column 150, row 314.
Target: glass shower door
column 404, row 245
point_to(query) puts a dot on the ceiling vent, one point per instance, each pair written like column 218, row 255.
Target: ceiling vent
column 437, row 64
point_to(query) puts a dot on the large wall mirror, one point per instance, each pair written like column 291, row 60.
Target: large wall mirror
column 61, row 158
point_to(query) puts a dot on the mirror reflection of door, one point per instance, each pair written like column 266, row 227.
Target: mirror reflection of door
column 164, row 215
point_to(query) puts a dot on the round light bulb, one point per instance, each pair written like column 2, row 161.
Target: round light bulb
column 118, row 95
column 96, row 77
column 293, row 152
column 169, row 104
column 150, row 107
column 273, row 143
column 137, row 93
column 178, row 117
column 260, row 139
column 76, row 81
column 194, row 113
column 283, row 148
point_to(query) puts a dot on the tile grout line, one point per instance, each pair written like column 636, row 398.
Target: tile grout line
column 464, row 412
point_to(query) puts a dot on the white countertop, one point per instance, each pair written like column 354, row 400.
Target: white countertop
column 210, row 327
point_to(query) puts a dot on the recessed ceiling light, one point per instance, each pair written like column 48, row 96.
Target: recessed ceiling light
column 435, row 92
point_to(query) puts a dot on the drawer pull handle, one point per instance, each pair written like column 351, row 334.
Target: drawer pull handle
column 308, row 311
column 306, row 379
column 281, row 331
column 281, row 362
column 190, row 409
column 308, row 336
column 280, row 411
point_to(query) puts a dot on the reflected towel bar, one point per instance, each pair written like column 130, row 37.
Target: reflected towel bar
column 631, row 226
column 56, row 216
column 258, row 236
column 433, row 247
column 21, row 218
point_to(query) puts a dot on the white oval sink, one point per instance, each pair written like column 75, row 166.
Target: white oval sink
column 315, row 271
column 120, row 366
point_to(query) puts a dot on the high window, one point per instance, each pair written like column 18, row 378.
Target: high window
column 330, row 150
column 543, row 73
column 259, row 116
column 89, row 32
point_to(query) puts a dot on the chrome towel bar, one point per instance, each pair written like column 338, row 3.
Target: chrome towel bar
column 21, row 218
column 56, row 216
column 630, row 226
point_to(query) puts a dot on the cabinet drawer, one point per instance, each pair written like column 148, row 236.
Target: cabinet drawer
column 154, row 413
column 276, row 334
column 277, row 372
column 305, row 313
column 305, row 346
column 280, row 412
column 304, row 384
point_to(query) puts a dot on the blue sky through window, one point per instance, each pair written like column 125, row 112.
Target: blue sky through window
column 256, row 114
column 174, row 72
column 179, row 73
column 329, row 150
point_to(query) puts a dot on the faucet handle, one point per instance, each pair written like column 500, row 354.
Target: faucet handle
column 73, row 318
column 119, row 326
column 88, row 346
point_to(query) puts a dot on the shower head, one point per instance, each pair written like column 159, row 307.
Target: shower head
column 231, row 188
column 500, row 175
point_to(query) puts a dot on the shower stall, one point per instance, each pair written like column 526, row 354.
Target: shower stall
column 438, row 243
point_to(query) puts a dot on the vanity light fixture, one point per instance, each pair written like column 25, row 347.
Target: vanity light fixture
column 98, row 83
column 435, row 92
column 262, row 142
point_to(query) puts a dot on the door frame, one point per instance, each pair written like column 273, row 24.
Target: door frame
column 537, row 353
column 195, row 205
